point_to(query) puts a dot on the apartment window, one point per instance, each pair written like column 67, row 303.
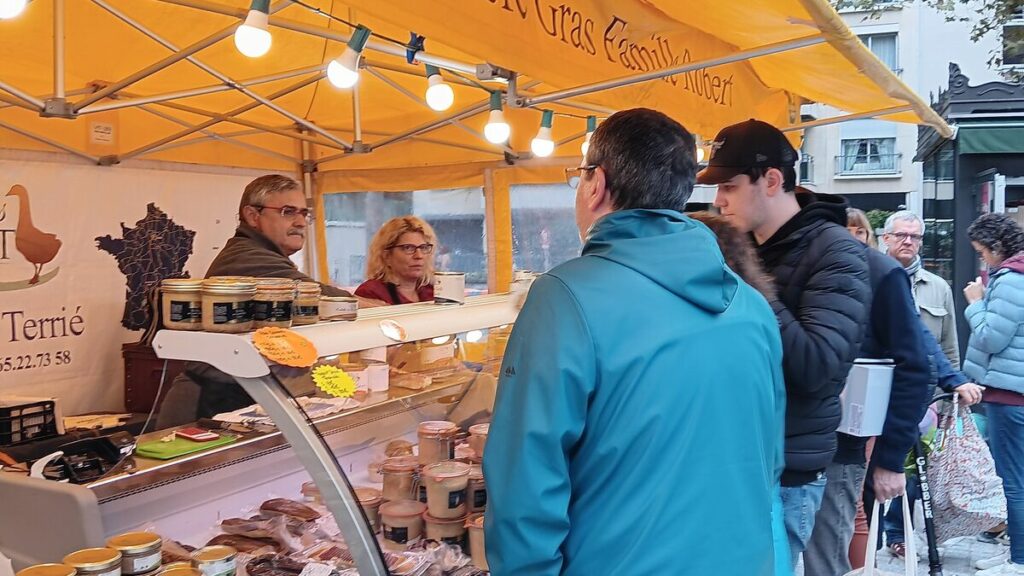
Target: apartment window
column 1013, row 39
column 883, row 46
column 866, row 156
column 806, row 168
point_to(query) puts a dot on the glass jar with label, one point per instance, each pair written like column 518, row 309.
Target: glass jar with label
column 95, row 562
column 47, row 570
column 446, row 484
column 181, row 302
column 338, row 308
column 272, row 305
column 401, row 523
column 475, row 525
column 450, row 531
column 370, row 501
column 478, row 437
column 215, row 560
column 476, row 490
column 140, row 552
column 399, row 475
column 437, row 441
column 227, row 305
column 307, row 304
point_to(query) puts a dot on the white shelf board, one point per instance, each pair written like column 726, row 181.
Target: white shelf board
column 234, row 353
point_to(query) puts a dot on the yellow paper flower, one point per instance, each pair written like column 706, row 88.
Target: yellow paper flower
column 334, row 381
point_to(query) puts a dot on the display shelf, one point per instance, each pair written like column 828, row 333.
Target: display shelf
column 235, row 354
column 150, row 474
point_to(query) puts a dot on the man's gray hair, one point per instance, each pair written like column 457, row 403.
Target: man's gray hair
column 904, row 216
column 256, row 192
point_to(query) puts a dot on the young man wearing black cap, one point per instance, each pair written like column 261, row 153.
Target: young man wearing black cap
column 821, row 275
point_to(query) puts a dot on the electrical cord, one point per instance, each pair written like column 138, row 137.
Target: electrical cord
column 316, row 10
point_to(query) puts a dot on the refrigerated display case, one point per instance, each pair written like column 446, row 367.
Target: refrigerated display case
column 457, row 347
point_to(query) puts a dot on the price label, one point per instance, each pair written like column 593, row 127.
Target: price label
column 334, row 381
column 285, row 347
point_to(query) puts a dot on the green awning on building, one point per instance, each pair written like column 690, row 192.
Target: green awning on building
column 991, row 140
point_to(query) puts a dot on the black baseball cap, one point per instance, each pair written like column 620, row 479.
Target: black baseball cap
column 749, row 144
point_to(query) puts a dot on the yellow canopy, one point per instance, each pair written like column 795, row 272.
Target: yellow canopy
column 799, row 51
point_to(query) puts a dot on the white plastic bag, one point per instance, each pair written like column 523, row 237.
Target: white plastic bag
column 910, row 568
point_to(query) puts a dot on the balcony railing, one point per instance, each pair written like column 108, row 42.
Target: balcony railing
column 871, row 165
column 806, row 168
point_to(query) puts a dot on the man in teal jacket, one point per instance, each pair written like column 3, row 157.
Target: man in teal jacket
column 638, row 427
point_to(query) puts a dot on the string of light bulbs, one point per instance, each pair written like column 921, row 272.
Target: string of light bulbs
column 12, row 8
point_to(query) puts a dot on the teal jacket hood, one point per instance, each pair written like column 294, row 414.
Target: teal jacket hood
column 695, row 272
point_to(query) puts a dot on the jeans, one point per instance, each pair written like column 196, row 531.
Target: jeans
column 1006, row 439
column 828, row 552
column 893, row 520
column 783, row 567
column 799, row 506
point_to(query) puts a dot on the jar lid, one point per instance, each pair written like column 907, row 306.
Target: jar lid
column 436, row 427
column 93, row 558
column 181, row 284
column 476, row 472
column 275, row 284
column 229, row 286
column 480, row 429
column 475, row 520
column 400, row 464
column 368, row 496
column 431, row 520
column 448, row 469
column 48, row 570
column 176, row 565
column 309, row 287
column 187, row 570
column 402, row 508
column 134, row 541
column 214, row 553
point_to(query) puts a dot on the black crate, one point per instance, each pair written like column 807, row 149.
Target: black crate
column 26, row 422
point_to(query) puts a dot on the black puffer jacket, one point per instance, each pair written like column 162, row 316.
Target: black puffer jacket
column 821, row 273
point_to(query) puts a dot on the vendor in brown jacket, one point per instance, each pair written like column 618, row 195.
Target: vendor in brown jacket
column 273, row 219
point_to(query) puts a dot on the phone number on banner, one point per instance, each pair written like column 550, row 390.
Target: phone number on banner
column 34, row 361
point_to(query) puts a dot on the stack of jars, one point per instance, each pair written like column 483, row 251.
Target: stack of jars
column 130, row 554
column 434, row 495
column 237, row 304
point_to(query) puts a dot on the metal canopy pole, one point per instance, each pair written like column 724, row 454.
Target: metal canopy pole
column 11, row 101
column 39, row 105
column 844, row 118
column 212, row 122
column 568, row 139
column 766, row 50
column 383, row 47
column 201, row 139
column 222, row 77
column 357, row 118
column 200, row 91
column 323, row 468
column 8, row 101
column 54, row 143
column 257, row 125
column 419, row 100
column 217, row 137
column 58, row 49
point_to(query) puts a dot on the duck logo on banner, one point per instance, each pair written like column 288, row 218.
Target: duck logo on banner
column 33, row 245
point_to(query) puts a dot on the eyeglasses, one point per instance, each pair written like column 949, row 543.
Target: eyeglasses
column 288, row 211
column 410, row 249
column 573, row 175
column 904, row 236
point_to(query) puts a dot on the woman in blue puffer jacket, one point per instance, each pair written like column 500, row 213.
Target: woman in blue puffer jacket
column 995, row 359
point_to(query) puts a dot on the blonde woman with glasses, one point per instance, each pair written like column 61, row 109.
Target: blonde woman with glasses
column 400, row 265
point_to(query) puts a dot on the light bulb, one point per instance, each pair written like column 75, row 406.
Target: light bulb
column 497, row 130
column 542, row 145
column 440, row 96
column 343, row 71
column 700, row 154
column 11, row 8
column 586, row 144
column 474, row 336
column 252, row 38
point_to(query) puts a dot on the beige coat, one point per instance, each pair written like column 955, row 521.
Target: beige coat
column 934, row 300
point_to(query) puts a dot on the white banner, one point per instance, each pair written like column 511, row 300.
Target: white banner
column 77, row 243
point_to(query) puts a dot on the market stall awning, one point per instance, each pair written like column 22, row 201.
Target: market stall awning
column 130, row 92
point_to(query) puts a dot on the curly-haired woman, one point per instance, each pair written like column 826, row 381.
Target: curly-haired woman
column 995, row 359
column 400, row 263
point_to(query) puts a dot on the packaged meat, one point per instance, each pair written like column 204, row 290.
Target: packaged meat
column 289, row 508
column 245, row 544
